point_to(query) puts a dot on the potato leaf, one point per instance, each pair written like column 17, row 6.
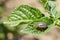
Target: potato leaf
column 51, row 8
column 58, row 23
column 31, row 28
column 58, row 18
column 58, row 15
column 23, row 14
column 27, row 15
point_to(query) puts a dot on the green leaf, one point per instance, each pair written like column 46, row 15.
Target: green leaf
column 29, row 15
column 31, row 28
column 58, row 23
column 58, row 15
column 58, row 18
column 25, row 12
column 12, row 25
column 22, row 14
column 51, row 8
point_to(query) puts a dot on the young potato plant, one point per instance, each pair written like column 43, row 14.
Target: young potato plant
column 37, row 22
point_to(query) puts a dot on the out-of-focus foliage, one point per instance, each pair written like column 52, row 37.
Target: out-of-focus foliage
column 1, row 2
column 2, row 35
column 2, row 9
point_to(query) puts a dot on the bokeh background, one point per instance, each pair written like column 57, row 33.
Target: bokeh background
column 7, row 6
